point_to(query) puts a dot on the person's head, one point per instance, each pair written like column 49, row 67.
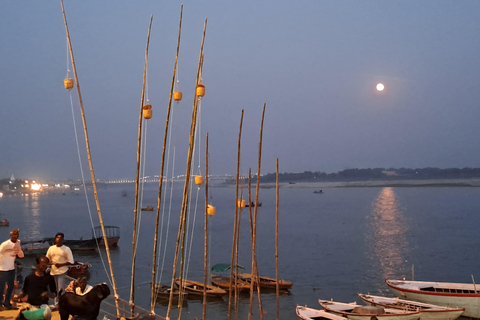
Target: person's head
column 82, row 282
column 14, row 235
column 59, row 238
column 42, row 263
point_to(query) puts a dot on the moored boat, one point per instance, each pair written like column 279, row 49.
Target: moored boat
column 196, row 288
column 460, row 295
column 224, row 283
column 355, row 311
column 78, row 269
column 429, row 311
column 266, row 282
column 306, row 313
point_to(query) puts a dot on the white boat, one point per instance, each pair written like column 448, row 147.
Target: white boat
column 355, row 311
column 459, row 295
column 429, row 311
column 305, row 313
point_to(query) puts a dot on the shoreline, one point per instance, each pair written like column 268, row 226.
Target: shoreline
column 381, row 183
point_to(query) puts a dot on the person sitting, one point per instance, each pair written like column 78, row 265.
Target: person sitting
column 38, row 286
column 79, row 286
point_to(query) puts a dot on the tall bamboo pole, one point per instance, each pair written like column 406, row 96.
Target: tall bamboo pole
column 135, row 210
column 277, row 203
column 160, row 184
column 254, row 259
column 235, row 222
column 90, row 163
column 186, row 186
column 205, row 254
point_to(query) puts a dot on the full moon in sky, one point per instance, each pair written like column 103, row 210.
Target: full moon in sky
column 380, row 87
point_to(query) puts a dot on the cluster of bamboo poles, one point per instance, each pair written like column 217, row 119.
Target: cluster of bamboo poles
column 182, row 224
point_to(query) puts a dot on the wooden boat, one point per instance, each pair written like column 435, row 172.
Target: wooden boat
column 4, row 223
column 112, row 233
column 195, row 288
column 266, row 282
column 149, row 208
column 460, row 295
column 429, row 311
column 224, row 283
column 305, row 313
column 162, row 292
column 359, row 312
column 259, row 204
column 78, row 269
column 318, row 191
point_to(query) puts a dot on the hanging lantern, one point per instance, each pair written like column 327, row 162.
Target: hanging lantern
column 211, row 210
column 241, row 203
column 198, row 180
column 147, row 111
column 200, row 90
column 177, row 95
column 68, row 83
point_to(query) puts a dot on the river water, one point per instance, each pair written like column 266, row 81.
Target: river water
column 331, row 245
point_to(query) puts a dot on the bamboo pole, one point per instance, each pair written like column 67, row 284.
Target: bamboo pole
column 135, row 210
column 250, row 309
column 205, row 255
column 235, row 221
column 277, row 202
column 185, row 189
column 160, row 184
column 254, row 260
column 90, row 163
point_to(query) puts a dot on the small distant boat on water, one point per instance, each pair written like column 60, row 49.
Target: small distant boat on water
column 259, row 204
column 149, row 208
column 4, row 223
column 306, row 313
column 460, row 295
column 318, row 191
column 429, row 311
column 360, row 312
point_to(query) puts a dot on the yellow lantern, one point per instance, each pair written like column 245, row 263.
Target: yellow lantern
column 177, row 95
column 147, row 111
column 211, row 210
column 241, row 203
column 68, row 83
column 200, row 90
column 198, row 180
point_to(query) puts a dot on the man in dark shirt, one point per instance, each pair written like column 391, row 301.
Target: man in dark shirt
column 39, row 286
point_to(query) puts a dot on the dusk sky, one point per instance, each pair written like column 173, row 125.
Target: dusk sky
column 314, row 63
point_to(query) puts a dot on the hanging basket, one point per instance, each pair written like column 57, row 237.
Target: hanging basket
column 211, row 210
column 198, row 180
column 241, row 203
column 200, row 90
column 147, row 111
column 68, row 83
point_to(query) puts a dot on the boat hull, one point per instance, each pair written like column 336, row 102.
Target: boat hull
column 306, row 313
column 459, row 295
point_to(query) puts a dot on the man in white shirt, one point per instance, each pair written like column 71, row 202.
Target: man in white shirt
column 60, row 257
column 9, row 251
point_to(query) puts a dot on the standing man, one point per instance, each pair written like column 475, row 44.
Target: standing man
column 9, row 251
column 60, row 257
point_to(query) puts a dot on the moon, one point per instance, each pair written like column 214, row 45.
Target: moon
column 380, row 87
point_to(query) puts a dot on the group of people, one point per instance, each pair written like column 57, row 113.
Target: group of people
column 39, row 286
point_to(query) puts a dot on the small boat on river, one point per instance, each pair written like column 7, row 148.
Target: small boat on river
column 78, row 269
column 266, row 282
column 429, row 311
column 360, row 312
column 460, row 295
column 4, row 223
column 305, row 313
column 259, row 204
column 149, row 208
column 195, row 288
